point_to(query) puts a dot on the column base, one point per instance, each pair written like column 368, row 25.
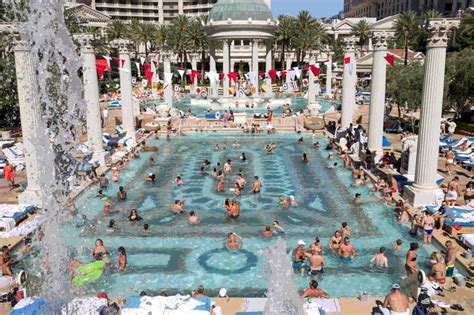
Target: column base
column 102, row 157
column 420, row 196
column 32, row 197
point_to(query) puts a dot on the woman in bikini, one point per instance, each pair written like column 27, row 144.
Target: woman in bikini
column 469, row 192
column 100, row 252
column 410, row 263
column 335, row 241
column 438, row 270
column 122, row 260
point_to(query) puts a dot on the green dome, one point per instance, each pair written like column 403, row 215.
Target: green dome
column 240, row 10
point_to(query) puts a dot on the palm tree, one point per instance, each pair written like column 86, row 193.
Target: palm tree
column 407, row 30
column 305, row 21
column 117, row 29
column 160, row 37
column 362, row 30
column 133, row 33
column 198, row 40
column 146, row 35
column 284, row 34
column 177, row 39
column 100, row 46
column 466, row 30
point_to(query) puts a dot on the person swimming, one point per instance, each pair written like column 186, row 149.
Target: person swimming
column 332, row 166
column 193, row 218
column 178, row 206
column 100, row 252
column 278, row 229
column 150, row 177
column 283, row 201
column 292, row 201
column 178, row 181
column 267, row 233
column 133, row 217
column 243, row 157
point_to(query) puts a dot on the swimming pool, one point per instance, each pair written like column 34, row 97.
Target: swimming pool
column 177, row 256
column 297, row 104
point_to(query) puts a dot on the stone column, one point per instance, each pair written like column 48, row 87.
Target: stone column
column 329, row 74
column 348, row 83
column 268, row 67
column 317, row 84
column 31, row 123
column 424, row 189
column 377, row 101
column 91, row 96
column 128, row 121
column 289, row 61
column 194, row 59
column 225, row 80
column 168, row 83
column 311, row 78
column 254, row 44
column 213, row 68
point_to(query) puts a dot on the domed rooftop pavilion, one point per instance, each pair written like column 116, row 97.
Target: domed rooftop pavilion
column 242, row 20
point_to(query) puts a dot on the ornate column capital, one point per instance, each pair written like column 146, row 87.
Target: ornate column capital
column 381, row 39
column 121, row 45
column 85, row 40
column 350, row 43
column 166, row 56
column 439, row 30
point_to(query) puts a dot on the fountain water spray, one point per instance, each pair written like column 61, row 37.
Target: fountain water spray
column 54, row 65
column 282, row 294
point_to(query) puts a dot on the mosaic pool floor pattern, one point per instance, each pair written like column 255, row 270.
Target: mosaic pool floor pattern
column 176, row 256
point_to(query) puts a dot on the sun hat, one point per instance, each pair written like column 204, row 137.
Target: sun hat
column 301, row 242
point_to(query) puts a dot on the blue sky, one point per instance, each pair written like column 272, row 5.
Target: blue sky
column 318, row 8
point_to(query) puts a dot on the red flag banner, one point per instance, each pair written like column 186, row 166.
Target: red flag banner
column 347, row 60
column 390, row 59
column 146, row 68
column 155, row 63
column 191, row 76
column 122, row 61
column 221, row 75
column 102, row 63
column 261, row 75
column 272, row 73
column 315, row 70
column 232, row 76
column 283, row 74
column 149, row 76
column 100, row 72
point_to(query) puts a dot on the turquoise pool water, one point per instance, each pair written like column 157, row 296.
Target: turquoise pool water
column 297, row 104
column 177, row 256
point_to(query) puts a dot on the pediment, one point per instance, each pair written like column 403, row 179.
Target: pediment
column 386, row 24
column 86, row 14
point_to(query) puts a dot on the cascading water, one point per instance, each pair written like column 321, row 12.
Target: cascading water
column 282, row 294
column 56, row 65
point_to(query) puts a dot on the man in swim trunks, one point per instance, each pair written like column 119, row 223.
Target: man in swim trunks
column 316, row 262
column 257, row 186
column 299, row 256
column 428, row 226
column 396, row 301
column 380, row 260
column 347, row 251
column 450, row 258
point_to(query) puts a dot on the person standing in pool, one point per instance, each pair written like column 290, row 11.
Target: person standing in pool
column 345, row 232
column 317, row 246
column 314, row 292
column 121, row 194
column 178, row 206
column 234, row 209
column 304, row 158
column 298, row 262
column 122, row 259
column 256, row 187
column 410, row 262
column 380, row 260
column 240, row 181
column 335, row 241
column 243, row 157
column 228, row 166
column 134, row 217
column 316, row 262
column 283, row 201
column 220, row 187
column 428, row 226
column 347, row 251
column 234, row 242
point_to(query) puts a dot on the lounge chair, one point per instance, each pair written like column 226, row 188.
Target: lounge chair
column 120, row 131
